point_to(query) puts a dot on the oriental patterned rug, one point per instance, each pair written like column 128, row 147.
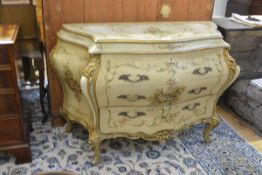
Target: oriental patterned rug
column 185, row 153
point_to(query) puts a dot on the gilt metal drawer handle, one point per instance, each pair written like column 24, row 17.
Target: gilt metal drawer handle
column 202, row 71
column 133, row 79
column 132, row 115
column 197, row 91
column 132, row 98
column 191, row 107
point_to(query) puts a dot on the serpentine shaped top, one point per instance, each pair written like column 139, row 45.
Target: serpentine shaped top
column 152, row 37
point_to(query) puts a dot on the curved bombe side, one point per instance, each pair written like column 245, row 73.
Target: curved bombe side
column 233, row 72
column 68, row 61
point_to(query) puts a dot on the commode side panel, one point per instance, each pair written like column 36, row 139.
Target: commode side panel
column 68, row 61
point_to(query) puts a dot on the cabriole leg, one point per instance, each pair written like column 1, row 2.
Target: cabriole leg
column 210, row 126
column 68, row 126
column 95, row 143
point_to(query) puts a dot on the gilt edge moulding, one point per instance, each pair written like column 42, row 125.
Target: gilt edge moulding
column 57, row 12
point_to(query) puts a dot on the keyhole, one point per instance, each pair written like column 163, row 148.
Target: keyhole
column 165, row 11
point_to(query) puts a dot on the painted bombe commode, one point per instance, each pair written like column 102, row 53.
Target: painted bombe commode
column 141, row 80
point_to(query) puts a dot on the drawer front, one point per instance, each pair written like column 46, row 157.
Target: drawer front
column 8, row 104
column 182, row 90
column 6, row 80
column 145, row 80
column 11, row 132
column 4, row 56
column 153, row 119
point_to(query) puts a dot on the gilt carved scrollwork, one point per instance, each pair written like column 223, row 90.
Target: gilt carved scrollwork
column 88, row 81
column 159, row 136
column 230, row 61
column 89, row 70
column 168, row 94
column 72, row 83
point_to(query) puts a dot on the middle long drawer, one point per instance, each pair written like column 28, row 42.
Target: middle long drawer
column 155, row 93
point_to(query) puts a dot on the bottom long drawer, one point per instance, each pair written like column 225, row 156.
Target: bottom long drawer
column 11, row 131
column 156, row 118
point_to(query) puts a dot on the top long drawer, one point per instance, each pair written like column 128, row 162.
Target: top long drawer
column 4, row 56
column 142, row 80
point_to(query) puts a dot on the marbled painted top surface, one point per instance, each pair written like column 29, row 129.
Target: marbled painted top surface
column 146, row 32
column 145, row 38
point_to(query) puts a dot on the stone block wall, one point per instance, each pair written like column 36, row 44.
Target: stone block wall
column 245, row 98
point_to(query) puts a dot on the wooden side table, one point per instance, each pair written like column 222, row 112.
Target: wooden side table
column 13, row 137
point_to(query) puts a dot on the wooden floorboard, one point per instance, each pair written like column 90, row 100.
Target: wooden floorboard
column 242, row 127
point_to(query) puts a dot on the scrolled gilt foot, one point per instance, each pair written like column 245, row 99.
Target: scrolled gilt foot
column 95, row 143
column 210, row 126
column 68, row 127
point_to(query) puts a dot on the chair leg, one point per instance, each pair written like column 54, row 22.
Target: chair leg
column 40, row 63
column 29, row 121
column 26, row 67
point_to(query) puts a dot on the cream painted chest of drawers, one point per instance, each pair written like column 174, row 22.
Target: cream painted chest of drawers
column 141, row 80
